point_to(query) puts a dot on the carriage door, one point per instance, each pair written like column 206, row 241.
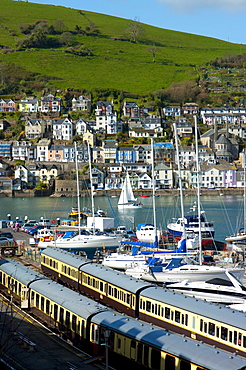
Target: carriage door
column 133, row 350
column 95, row 338
column 24, row 297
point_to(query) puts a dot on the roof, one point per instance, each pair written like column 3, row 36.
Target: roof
column 206, row 309
column 178, row 345
column 18, row 271
column 67, row 298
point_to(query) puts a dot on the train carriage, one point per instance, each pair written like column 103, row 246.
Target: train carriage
column 62, row 266
column 103, row 284
column 15, row 279
column 64, row 309
column 200, row 320
column 157, row 349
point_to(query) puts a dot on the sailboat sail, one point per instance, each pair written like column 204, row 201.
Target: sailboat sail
column 126, row 196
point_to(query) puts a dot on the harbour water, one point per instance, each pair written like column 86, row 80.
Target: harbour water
column 225, row 211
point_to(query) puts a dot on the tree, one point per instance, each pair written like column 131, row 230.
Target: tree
column 135, row 30
column 67, row 38
column 59, row 27
column 153, row 50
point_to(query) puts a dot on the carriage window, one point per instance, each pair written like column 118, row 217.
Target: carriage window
column 185, row 319
column 128, row 298
column 235, row 337
column 217, row 332
column 170, row 362
column 101, row 286
column 74, row 322
column 119, row 343
column 32, row 296
column 83, row 329
column 55, row 311
column 224, row 333
column 211, row 328
column 37, row 300
column 68, row 319
column 205, row 327
column 133, row 344
column 146, row 355
column 50, row 262
column 148, row 306
column 88, row 280
column 42, row 303
column 244, row 341
column 177, row 316
column 201, row 325
column 140, row 353
column 61, row 315
column 162, row 311
column 115, row 292
column 155, row 359
column 239, row 339
column 48, row 306
column 54, row 264
column 167, row 312
column 230, row 336
column 193, row 322
column 184, row 365
column 109, row 290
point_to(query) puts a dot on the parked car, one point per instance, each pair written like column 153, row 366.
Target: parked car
column 7, row 235
column 35, row 229
column 4, row 240
column 28, row 226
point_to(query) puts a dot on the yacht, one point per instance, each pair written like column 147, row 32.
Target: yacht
column 122, row 260
column 227, row 290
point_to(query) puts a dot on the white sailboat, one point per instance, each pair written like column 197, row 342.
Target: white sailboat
column 127, row 199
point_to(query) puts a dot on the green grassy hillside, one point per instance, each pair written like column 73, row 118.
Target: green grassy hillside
column 113, row 64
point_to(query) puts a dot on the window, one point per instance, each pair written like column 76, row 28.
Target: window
column 155, row 359
column 61, row 315
column 67, row 319
column 74, row 322
column 211, row 328
column 37, row 300
column 119, row 343
column 140, row 353
column 177, row 316
column 47, row 310
column 42, row 303
column 148, row 306
column 167, row 313
column 224, row 333
column 170, row 362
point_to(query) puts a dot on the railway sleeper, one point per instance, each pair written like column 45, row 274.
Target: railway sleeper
column 26, row 342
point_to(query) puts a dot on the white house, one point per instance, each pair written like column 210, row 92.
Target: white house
column 62, row 129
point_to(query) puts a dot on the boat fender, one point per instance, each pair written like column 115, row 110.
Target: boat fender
column 51, row 238
column 41, row 239
column 53, row 221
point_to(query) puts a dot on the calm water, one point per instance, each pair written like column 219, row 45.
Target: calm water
column 225, row 211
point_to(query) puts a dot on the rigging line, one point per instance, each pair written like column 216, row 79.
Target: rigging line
column 226, row 215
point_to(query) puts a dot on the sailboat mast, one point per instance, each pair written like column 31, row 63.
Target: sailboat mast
column 153, row 186
column 198, row 193
column 77, row 182
column 92, row 195
column 180, row 178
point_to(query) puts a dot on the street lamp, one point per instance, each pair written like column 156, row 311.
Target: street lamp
column 106, row 336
